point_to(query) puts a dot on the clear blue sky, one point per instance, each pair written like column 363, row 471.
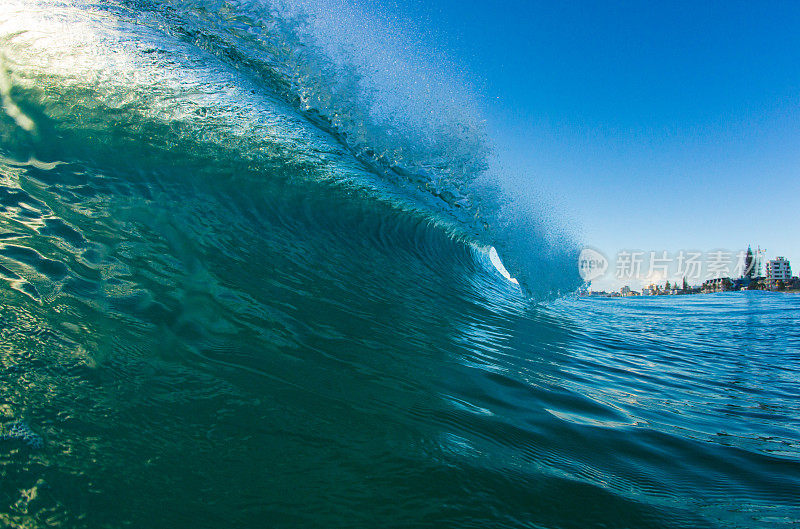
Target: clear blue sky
column 649, row 127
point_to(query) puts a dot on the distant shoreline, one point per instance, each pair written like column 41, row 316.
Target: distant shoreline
column 589, row 295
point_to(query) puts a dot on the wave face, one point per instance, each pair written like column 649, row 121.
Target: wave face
column 147, row 86
column 249, row 277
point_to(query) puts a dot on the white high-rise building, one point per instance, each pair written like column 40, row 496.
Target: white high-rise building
column 779, row 269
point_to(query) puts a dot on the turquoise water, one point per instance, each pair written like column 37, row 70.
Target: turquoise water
column 246, row 282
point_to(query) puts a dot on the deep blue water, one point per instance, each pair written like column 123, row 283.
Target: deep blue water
column 245, row 281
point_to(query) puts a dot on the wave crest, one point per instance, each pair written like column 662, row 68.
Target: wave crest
column 284, row 84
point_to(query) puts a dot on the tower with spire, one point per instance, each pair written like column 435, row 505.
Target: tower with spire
column 749, row 264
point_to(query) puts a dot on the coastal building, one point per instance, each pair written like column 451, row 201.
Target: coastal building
column 757, row 259
column 749, row 265
column 779, row 270
column 719, row 284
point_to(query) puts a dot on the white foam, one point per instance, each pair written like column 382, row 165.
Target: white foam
column 495, row 258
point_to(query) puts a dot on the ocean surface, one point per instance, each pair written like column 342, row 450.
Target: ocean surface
column 255, row 272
